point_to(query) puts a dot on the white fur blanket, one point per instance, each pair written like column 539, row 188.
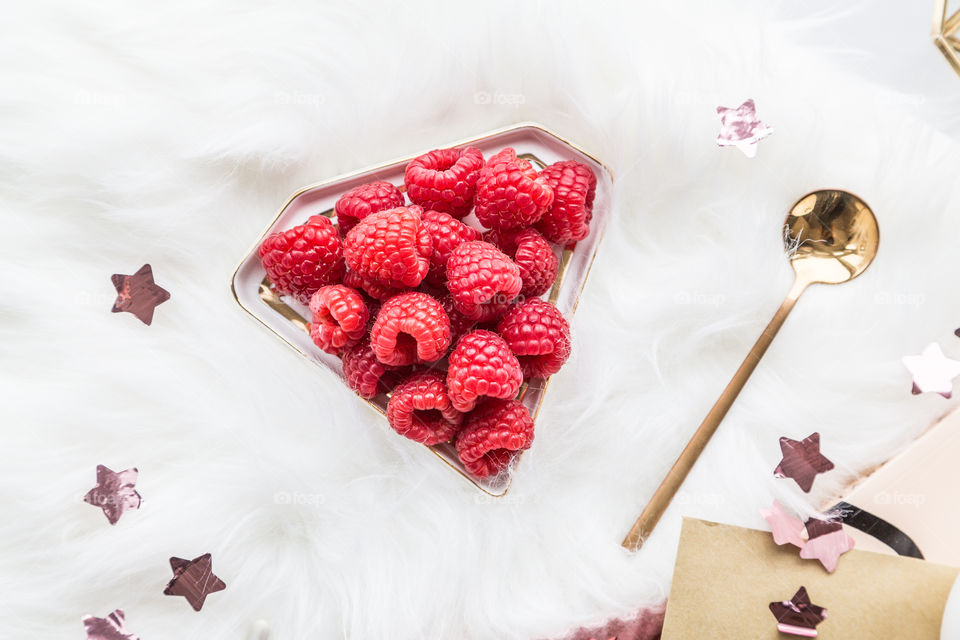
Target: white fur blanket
column 169, row 133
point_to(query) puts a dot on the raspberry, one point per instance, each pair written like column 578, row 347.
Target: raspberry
column 362, row 371
column 339, row 318
column 460, row 324
column 372, row 288
column 446, row 233
column 444, row 180
column 390, row 247
column 491, row 436
column 300, row 260
column 363, row 200
column 482, row 365
column 532, row 254
column 420, row 409
column 410, row 327
column 574, row 187
column 539, row 335
column 510, row 194
column 482, row 280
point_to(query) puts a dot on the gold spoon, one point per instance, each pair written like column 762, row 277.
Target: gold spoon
column 831, row 237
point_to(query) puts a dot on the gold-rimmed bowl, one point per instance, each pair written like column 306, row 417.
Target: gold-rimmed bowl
column 287, row 319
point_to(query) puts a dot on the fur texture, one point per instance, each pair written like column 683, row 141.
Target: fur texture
column 170, row 133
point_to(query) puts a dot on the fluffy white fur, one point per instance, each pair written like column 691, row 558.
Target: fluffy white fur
column 170, row 133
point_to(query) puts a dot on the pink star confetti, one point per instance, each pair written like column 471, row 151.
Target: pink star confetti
column 109, row 628
column 785, row 528
column 802, row 461
column 741, row 128
column 798, row 616
column 932, row 371
column 114, row 492
column 138, row 294
column 827, row 542
column 194, row 580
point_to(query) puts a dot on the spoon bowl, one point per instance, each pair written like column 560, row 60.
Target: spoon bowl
column 831, row 236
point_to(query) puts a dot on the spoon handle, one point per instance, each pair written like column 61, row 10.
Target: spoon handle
column 645, row 524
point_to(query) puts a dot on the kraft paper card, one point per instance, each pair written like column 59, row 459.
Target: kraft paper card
column 726, row 577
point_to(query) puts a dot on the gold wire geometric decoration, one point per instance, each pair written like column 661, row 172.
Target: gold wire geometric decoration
column 945, row 33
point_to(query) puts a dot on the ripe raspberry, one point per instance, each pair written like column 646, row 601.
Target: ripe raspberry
column 533, row 254
column 372, row 288
column 339, row 318
column 510, row 193
column 482, row 280
column 363, row 200
column 410, row 327
column 539, row 335
column 362, row 371
column 420, row 409
column 574, row 187
column 390, row 247
column 446, row 233
column 460, row 324
column 444, row 180
column 300, row 260
column 482, row 365
column 491, row 436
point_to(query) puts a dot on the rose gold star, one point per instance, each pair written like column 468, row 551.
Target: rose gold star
column 932, row 371
column 798, row 616
column 741, row 128
column 109, row 628
column 802, row 461
column 138, row 294
column 194, row 580
column 114, row 492
column 827, row 542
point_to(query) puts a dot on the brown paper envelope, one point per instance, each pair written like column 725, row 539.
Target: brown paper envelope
column 726, row 577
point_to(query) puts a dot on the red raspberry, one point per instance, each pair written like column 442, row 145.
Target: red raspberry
column 420, row 409
column 482, row 280
column 574, row 187
column 390, row 247
column 491, row 436
column 362, row 371
column 482, row 365
column 410, row 327
column 446, row 233
column 363, row 200
column 539, row 335
column 460, row 324
column 339, row 318
column 372, row 288
column 533, row 254
column 510, row 194
column 300, row 260
column 444, row 180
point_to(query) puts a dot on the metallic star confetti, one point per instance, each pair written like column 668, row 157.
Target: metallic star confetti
column 194, row 580
column 138, row 294
column 109, row 628
column 798, row 616
column 741, row 128
column 932, row 371
column 802, row 461
column 827, row 541
column 785, row 528
column 114, row 492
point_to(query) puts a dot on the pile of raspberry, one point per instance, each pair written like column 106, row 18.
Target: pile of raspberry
column 435, row 307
